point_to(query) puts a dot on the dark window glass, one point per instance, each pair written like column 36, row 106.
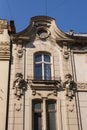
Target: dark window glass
column 38, row 58
column 36, row 105
column 37, row 115
column 47, row 71
column 38, row 71
column 51, row 115
column 37, row 121
column 42, row 67
column 51, row 105
column 46, row 58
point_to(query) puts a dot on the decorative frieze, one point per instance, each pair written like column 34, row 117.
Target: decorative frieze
column 3, row 25
column 1, row 31
column 4, row 50
column 82, row 86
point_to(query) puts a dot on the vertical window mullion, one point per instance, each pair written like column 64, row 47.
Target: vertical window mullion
column 44, row 115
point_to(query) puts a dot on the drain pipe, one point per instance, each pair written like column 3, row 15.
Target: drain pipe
column 24, row 48
column 8, row 90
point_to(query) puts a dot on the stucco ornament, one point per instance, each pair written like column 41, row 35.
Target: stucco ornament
column 66, row 54
column 69, row 86
column 19, row 51
column 43, row 33
column 65, row 51
column 1, row 94
column 82, row 86
column 20, row 85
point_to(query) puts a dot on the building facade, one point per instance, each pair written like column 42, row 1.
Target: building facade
column 43, row 84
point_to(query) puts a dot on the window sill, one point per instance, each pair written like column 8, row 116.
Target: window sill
column 48, row 82
column 45, row 84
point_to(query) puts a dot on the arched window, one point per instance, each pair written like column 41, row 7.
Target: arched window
column 42, row 66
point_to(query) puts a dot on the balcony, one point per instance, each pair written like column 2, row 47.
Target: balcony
column 39, row 83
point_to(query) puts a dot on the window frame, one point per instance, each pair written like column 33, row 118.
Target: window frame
column 44, row 112
column 49, row 111
column 43, row 63
column 38, row 111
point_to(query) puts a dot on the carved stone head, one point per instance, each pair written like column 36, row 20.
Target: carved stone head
column 68, row 78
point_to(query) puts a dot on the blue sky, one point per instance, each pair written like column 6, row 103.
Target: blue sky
column 69, row 14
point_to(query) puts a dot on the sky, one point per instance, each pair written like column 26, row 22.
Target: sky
column 69, row 14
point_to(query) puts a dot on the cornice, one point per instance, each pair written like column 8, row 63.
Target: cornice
column 45, row 23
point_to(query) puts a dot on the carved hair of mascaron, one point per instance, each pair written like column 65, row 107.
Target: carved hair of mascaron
column 68, row 75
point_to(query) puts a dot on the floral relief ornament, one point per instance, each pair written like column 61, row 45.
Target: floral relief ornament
column 82, row 85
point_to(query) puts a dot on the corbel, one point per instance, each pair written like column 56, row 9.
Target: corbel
column 34, row 92
column 53, row 93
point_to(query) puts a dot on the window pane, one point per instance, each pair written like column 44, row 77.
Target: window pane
column 37, row 105
column 37, row 121
column 51, row 115
column 37, row 115
column 46, row 58
column 51, row 105
column 38, row 71
column 38, row 58
column 42, row 70
column 51, row 121
column 47, row 71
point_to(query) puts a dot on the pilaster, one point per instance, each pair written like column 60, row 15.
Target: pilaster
column 4, row 71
